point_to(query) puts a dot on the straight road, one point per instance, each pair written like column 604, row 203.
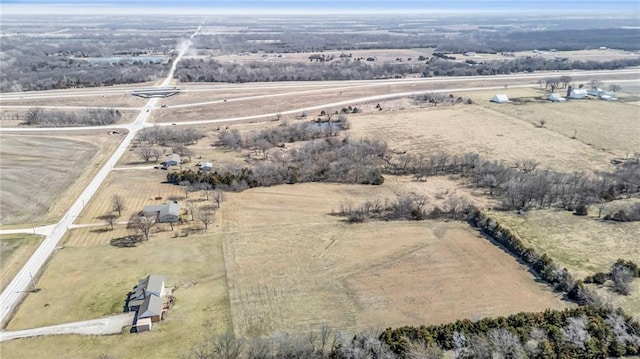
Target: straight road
column 13, row 294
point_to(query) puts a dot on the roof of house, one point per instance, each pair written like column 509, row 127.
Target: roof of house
column 578, row 91
column 500, row 98
column 173, row 157
column 164, row 209
column 151, row 284
column 151, row 307
column 206, row 164
column 556, row 97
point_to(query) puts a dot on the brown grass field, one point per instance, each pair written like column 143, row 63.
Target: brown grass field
column 107, row 100
column 39, row 180
column 584, row 245
column 290, row 265
column 473, row 128
column 612, row 127
column 15, row 251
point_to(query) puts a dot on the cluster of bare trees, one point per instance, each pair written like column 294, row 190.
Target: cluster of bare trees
column 322, row 344
column 200, row 70
column 56, row 118
column 407, row 207
column 524, row 186
column 167, row 136
column 268, row 138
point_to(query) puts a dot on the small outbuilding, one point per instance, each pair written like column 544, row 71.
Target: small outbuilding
column 554, row 97
column 578, row 94
column 164, row 213
column 205, row 166
column 172, row 160
column 500, row 98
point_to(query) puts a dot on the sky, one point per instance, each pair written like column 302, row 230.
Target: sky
column 628, row 7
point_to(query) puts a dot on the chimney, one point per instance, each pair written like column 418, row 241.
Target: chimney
column 569, row 91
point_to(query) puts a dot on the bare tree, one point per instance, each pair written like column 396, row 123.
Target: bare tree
column 183, row 151
column 110, row 218
column 117, row 204
column 206, row 217
column 207, row 190
column 575, row 332
column 219, row 197
column 142, row 225
column 622, row 277
column 595, row 84
column 192, row 209
column 614, row 88
column 147, row 153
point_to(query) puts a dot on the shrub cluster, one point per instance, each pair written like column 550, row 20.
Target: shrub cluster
column 621, row 274
column 632, row 214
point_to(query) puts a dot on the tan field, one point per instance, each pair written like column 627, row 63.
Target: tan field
column 584, row 245
column 290, row 265
column 608, row 126
column 16, row 250
column 107, row 100
column 41, row 176
column 486, row 131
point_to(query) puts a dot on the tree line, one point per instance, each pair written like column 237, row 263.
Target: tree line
column 524, row 186
column 58, row 118
column 209, row 70
column 583, row 332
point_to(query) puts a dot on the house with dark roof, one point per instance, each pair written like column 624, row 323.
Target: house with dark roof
column 151, row 308
column 163, row 213
column 172, row 160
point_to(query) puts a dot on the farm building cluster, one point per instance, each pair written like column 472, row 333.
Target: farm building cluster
column 572, row 94
column 151, row 301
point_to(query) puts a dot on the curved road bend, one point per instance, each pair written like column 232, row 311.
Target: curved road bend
column 20, row 285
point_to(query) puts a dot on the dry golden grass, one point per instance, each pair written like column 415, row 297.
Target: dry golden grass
column 52, row 181
column 584, row 245
column 473, row 128
column 88, row 282
column 15, row 251
column 138, row 188
column 292, row 266
column 108, row 100
column 609, row 126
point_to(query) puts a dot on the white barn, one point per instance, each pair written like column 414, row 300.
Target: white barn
column 578, row 93
column 554, row 97
column 500, row 98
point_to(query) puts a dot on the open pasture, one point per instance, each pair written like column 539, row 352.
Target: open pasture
column 292, row 266
column 106, row 100
column 485, row 130
column 609, row 126
column 584, row 245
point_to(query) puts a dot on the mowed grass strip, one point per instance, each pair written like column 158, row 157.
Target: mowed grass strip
column 87, row 282
column 15, row 250
column 292, row 266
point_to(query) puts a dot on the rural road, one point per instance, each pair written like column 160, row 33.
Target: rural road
column 19, row 286
column 107, row 325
